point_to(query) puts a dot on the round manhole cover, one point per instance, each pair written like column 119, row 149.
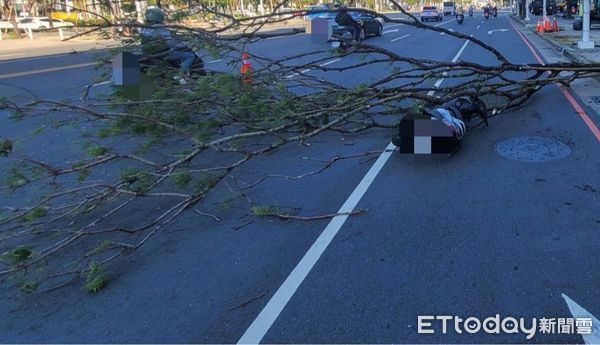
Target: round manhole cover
column 532, row 149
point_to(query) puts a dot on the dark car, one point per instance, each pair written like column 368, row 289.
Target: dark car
column 371, row 25
column 537, row 7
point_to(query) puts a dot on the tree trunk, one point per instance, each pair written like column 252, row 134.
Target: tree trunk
column 14, row 20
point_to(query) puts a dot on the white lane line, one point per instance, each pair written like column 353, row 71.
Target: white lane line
column 308, row 69
column 392, row 26
column 296, row 74
column 441, row 80
column 387, row 32
column 329, row 62
column 265, row 319
column 46, row 70
column 213, row 61
column 442, row 33
column 399, row 38
column 579, row 312
column 461, row 50
column 478, row 26
column 451, row 20
column 269, row 314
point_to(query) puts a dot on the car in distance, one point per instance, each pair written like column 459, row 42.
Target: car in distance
column 431, row 13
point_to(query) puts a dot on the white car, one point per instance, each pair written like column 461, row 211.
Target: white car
column 35, row 23
column 431, row 13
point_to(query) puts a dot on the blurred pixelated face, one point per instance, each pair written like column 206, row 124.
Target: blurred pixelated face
column 128, row 77
column 422, row 134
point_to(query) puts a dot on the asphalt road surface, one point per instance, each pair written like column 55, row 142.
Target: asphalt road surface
column 474, row 235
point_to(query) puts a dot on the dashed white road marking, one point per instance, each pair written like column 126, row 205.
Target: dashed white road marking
column 298, row 73
column 392, row 26
column 265, row 319
column 387, row 32
column 442, row 23
column 308, row 69
column 213, row 61
column 442, row 33
column 399, row 38
column 329, row 62
column 478, row 26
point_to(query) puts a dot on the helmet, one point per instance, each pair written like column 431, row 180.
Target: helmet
column 155, row 16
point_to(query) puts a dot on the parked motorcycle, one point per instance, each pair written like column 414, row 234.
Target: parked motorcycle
column 486, row 15
column 460, row 18
column 470, row 13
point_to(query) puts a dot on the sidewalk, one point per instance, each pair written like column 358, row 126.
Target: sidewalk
column 565, row 41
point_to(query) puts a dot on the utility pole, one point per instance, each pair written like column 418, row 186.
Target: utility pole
column 585, row 42
column 527, row 4
column 544, row 10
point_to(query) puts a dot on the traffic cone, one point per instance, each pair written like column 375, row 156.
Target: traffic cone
column 555, row 27
column 538, row 26
column 246, row 69
column 547, row 25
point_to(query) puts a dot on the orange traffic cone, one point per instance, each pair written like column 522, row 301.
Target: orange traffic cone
column 547, row 25
column 555, row 27
column 539, row 27
column 246, row 69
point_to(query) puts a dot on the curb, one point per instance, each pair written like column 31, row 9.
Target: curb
column 559, row 47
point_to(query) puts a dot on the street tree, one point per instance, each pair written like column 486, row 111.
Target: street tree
column 146, row 161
